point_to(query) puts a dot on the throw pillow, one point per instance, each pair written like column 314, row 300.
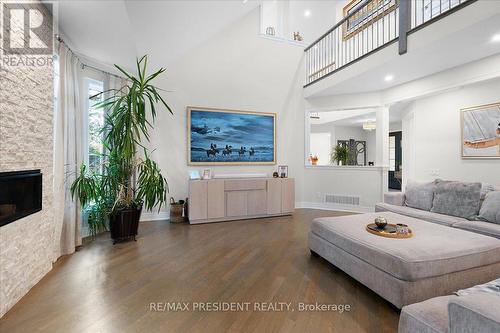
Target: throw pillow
column 489, row 287
column 419, row 195
column 456, row 198
column 490, row 210
column 485, row 189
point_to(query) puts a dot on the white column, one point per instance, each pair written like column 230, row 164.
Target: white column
column 408, row 146
column 382, row 135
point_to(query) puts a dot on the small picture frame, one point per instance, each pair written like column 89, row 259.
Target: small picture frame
column 206, row 174
column 194, row 174
column 283, row 171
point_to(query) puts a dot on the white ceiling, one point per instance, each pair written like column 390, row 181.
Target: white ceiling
column 117, row 31
column 356, row 117
column 98, row 29
column 358, row 120
column 344, row 117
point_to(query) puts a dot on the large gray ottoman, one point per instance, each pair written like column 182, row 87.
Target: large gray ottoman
column 436, row 261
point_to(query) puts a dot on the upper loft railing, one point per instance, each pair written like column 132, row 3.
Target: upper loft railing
column 368, row 26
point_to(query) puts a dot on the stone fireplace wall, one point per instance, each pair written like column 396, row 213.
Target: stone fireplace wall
column 26, row 131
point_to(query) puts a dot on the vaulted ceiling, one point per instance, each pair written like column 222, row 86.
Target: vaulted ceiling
column 118, row 31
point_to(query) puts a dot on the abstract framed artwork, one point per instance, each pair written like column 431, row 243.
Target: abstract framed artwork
column 481, row 131
column 230, row 137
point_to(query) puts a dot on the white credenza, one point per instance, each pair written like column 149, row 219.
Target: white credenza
column 216, row 200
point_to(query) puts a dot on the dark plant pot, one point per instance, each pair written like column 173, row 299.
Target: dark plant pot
column 124, row 224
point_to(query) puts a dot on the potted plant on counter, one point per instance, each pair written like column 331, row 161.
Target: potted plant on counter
column 128, row 182
column 340, row 154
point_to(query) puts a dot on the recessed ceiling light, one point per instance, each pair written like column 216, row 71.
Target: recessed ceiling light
column 245, row 1
column 388, row 77
column 307, row 13
column 495, row 38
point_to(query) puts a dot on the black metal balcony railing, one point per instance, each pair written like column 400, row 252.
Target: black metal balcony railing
column 368, row 27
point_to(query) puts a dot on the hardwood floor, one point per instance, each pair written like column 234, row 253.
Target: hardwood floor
column 106, row 288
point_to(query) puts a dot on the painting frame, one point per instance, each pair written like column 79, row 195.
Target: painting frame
column 283, row 171
column 462, row 131
column 190, row 109
column 348, row 32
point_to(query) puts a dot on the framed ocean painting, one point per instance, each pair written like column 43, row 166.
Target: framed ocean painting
column 230, row 137
column 481, row 131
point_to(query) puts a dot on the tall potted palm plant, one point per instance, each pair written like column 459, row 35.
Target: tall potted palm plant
column 340, row 154
column 128, row 182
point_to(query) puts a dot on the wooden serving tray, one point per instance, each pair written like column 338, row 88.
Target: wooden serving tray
column 389, row 231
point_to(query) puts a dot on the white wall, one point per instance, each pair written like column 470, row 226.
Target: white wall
column 371, row 146
column 396, row 126
column 236, row 69
column 322, row 17
column 437, row 135
column 365, row 182
column 320, row 146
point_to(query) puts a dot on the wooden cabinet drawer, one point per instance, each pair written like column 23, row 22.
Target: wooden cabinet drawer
column 244, row 184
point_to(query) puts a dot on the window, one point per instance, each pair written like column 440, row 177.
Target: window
column 95, row 121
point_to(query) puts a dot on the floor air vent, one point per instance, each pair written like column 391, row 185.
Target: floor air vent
column 342, row 199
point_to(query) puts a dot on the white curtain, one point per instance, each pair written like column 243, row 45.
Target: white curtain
column 114, row 82
column 68, row 153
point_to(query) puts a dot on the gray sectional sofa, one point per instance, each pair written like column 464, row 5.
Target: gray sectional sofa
column 473, row 310
column 473, row 207
column 460, row 248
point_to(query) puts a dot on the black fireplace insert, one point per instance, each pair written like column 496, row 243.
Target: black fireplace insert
column 20, row 194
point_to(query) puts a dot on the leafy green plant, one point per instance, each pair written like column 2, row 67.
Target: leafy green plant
column 128, row 180
column 340, row 153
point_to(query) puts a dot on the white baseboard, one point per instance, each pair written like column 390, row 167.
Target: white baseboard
column 331, row 206
column 154, row 216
